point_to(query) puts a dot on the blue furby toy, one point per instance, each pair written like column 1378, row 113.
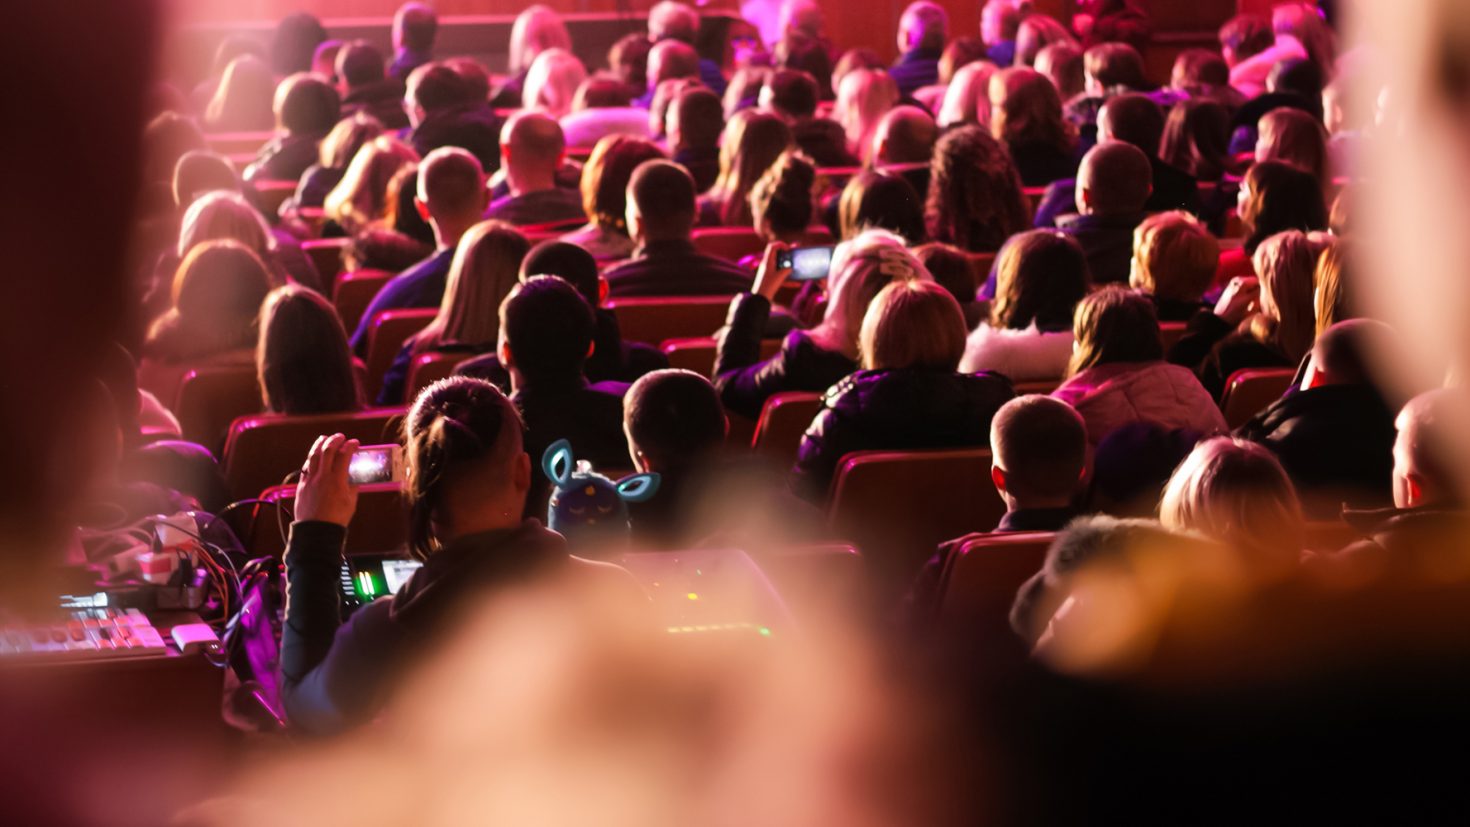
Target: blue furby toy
column 586, row 506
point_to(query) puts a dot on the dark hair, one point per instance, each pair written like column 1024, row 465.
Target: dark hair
column 166, row 139
column 701, row 118
column 1135, row 119
column 605, row 178
column 1133, row 463
column 473, row 75
column 379, row 248
column 1115, row 64
column 1114, row 325
column 454, row 423
column 302, row 359
column 437, row 86
column 568, row 262
column 975, row 200
column 1247, row 34
column 808, row 56
column 1040, row 277
column 783, row 196
column 309, row 106
column 548, row 326
column 664, row 194
column 1197, row 139
column 402, row 212
column 1298, row 76
column 629, row 58
column 601, row 91
column 674, row 418
column 1282, row 197
column 216, row 295
column 360, row 63
column 199, row 172
column 793, row 92
column 961, row 52
column 885, row 200
column 951, row 268
column 1199, row 69
column 418, row 25
column 294, row 42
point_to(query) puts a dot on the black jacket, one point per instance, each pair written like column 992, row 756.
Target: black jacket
column 612, row 359
column 675, row 268
column 1409, row 541
column 1173, row 189
column 909, row 409
column 382, row 100
column 473, row 127
column 1040, row 164
column 745, row 382
column 824, row 141
column 589, row 416
column 1214, row 350
column 285, row 158
column 1107, row 241
column 703, row 166
column 1336, row 444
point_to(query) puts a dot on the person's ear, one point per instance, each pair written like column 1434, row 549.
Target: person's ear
column 423, row 208
column 601, row 291
column 521, row 476
column 998, row 477
column 507, row 359
column 505, row 154
column 726, row 427
column 1416, row 489
column 591, row 348
column 1084, row 197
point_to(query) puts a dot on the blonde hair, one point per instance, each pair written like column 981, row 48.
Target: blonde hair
column 486, row 266
column 863, row 97
column 967, row 100
column 1236, row 492
column 537, row 29
column 913, row 324
column 346, row 138
column 1286, row 264
column 360, row 198
column 1174, row 257
column 861, row 267
column 552, row 82
column 223, row 215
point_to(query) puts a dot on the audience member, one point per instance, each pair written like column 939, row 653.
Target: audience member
column 951, row 269
column 537, row 29
column 604, row 195
column 443, row 112
column 1299, row 33
column 695, row 122
column 1196, row 140
column 975, row 200
column 753, row 141
column 366, row 88
column 967, row 99
column 1062, row 64
column 792, row 95
column 781, row 200
column 531, row 150
column 668, row 60
column 1112, row 21
column 1131, row 466
column 1113, row 184
column 909, row 395
column 877, row 199
column 360, row 199
column 306, row 108
column 1295, row 137
column 302, row 361
column 863, row 96
column 214, row 301
column 1108, row 69
column 810, row 55
column 1335, row 297
column 664, row 97
column 1040, row 277
column 451, row 190
column 230, row 47
column 243, row 100
column 199, row 173
column 334, row 156
column 744, row 89
column 906, row 135
column 1026, row 116
column 1118, row 374
column 922, row 32
column 294, row 42
column 1274, row 197
column 552, row 82
column 999, row 22
column 1174, row 260
column 414, row 27
column 1036, row 32
column 628, row 59
column 601, row 108
column 674, row 21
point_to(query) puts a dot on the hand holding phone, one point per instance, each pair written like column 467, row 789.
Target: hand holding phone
column 807, row 263
column 326, row 493
column 771, row 275
column 376, row 463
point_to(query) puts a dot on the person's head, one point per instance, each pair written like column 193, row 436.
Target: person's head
column 302, row 359
column 967, row 100
column 1109, row 65
column 244, row 98
column 1038, row 450
column 924, row 26
column 629, row 59
column 1276, row 196
column 294, row 43
column 306, row 105
column 799, row 53
column 360, row 64
column 790, row 93
column 1244, row 36
column 324, row 60
column 531, row 148
column 1035, row 33
column 1114, row 179
column 999, row 21
column 852, row 60
column 862, row 98
column 671, row 20
column 660, row 202
column 199, row 172
column 1285, row 264
column 467, row 469
column 961, row 52
column 605, row 179
column 781, row 200
column 474, row 78
column 224, row 216
column 1297, row 76
column 602, row 90
column 1061, row 62
column 403, row 214
column 215, row 296
column 1025, row 109
column 552, row 82
column 913, row 324
column 696, row 119
column 1199, row 71
column 1304, row 22
column 975, row 200
column 861, row 267
column 951, row 270
column 802, row 17
column 486, row 265
column 361, row 197
column 451, row 193
column 232, row 46
column 1335, row 297
column 1133, row 119
column 671, row 60
column 744, row 89
column 905, row 135
column 1197, row 139
column 546, row 329
column 1040, row 276
column 165, row 140
column 1345, row 353
column 1295, row 137
column 674, row 421
column 878, row 199
column 662, row 102
column 1431, row 428
column 537, row 29
column 753, row 141
column 1174, row 257
column 1132, row 464
column 414, row 27
column 568, row 262
column 346, row 138
column 1111, row 326
column 1237, row 493
column 432, row 88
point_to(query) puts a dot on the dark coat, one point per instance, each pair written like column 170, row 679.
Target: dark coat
column 1107, row 241
column 1040, row 164
column 382, row 100
column 473, row 127
column 612, row 359
column 1173, row 189
column 915, row 69
column 745, row 381
column 284, row 158
column 1409, row 541
column 824, row 141
column 1214, row 350
column 703, row 166
column 588, row 416
column 675, row 268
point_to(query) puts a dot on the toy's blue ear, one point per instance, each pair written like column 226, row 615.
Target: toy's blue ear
column 557, row 462
column 638, row 487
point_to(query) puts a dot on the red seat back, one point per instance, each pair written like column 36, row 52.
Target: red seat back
column 1250, row 391
column 269, row 195
column 980, row 264
column 326, row 256
column 428, row 368
column 729, row 243
column 980, row 581
column 379, row 525
column 1170, row 333
column 654, row 321
column 262, row 450
column 389, row 330
column 354, row 292
column 211, row 397
column 784, row 420
column 698, row 354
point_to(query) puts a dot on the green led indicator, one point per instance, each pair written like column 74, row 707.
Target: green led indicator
column 765, row 632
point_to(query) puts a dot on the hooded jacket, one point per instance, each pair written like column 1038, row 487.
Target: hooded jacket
column 1113, row 395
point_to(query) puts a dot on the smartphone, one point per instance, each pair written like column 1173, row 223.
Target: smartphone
column 806, row 263
column 376, row 463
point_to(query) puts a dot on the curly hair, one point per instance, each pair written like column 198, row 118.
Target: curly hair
column 975, row 200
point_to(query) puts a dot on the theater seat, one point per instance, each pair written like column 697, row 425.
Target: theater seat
column 980, row 264
column 1033, row 196
column 729, row 243
column 354, row 292
column 1041, row 386
column 1252, row 390
column 1170, row 333
column 234, row 143
column 262, row 450
column 654, row 321
column 211, row 397
column 428, row 368
column 269, row 195
column 379, row 525
column 898, row 506
column 389, row 330
column 784, row 420
column 326, row 256
column 698, row 354
column 980, row 582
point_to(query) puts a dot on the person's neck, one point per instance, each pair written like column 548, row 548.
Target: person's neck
column 447, row 231
column 527, row 181
column 1041, row 505
column 646, row 240
column 493, row 517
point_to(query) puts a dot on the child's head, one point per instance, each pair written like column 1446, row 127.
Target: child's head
column 1174, row 257
column 1038, row 449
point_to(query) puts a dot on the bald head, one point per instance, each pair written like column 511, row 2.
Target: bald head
column 1343, row 353
column 924, row 25
column 1115, row 179
column 671, row 60
column 1432, row 431
column 532, row 138
column 905, row 135
column 1039, row 449
column 414, row 27
column 359, row 63
column 452, row 189
column 670, row 20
